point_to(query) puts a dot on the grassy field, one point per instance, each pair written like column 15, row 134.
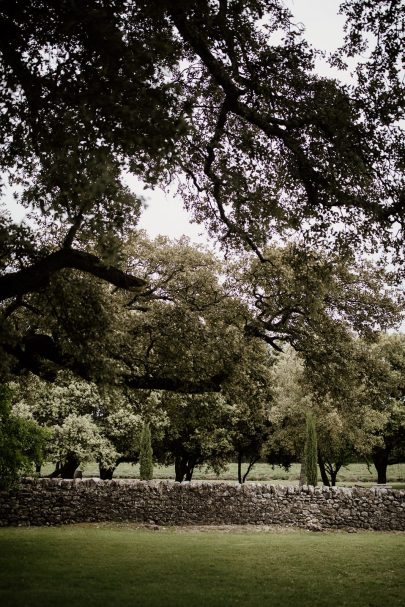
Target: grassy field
column 354, row 473
column 124, row 566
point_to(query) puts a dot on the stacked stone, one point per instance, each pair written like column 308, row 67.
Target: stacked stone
column 59, row 501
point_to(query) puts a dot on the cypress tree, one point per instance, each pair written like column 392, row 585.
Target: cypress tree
column 145, row 455
column 311, row 451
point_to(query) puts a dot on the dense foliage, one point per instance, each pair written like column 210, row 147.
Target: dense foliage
column 221, row 98
column 21, row 442
column 223, row 93
column 295, row 174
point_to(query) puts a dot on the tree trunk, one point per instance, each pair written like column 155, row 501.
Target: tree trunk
column 184, row 467
column 380, row 459
column 250, row 466
column 56, row 472
column 179, row 468
column 333, row 476
column 106, row 474
column 67, row 469
column 322, row 468
column 311, row 451
column 303, row 479
column 189, row 472
column 240, row 481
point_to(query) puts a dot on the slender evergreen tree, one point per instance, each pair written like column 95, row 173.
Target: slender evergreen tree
column 145, row 455
column 310, row 452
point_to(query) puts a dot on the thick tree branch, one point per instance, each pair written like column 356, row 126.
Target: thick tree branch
column 17, row 303
column 213, row 384
column 254, row 331
column 36, row 352
column 70, row 236
column 38, row 275
column 191, row 35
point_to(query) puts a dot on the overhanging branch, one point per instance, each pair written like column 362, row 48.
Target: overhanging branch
column 36, row 352
column 37, row 276
column 273, row 128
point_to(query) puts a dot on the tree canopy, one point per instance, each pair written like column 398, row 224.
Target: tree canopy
column 188, row 330
column 221, row 98
column 223, row 95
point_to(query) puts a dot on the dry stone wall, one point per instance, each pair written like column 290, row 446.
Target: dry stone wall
column 57, row 501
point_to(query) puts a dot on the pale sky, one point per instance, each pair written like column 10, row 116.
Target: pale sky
column 165, row 213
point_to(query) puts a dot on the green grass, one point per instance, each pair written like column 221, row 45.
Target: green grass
column 352, row 474
column 124, row 566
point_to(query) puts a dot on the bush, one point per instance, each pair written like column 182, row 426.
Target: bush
column 21, row 442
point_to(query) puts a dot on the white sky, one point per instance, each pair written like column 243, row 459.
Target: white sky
column 165, row 213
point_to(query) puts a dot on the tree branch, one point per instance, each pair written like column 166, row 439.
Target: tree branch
column 37, row 276
column 36, row 351
column 253, row 331
column 191, row 35
column 269, row 125
column 213, row 384
column 216, row 181
column 70, row 236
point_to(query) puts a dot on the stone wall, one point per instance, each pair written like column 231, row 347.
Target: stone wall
column 56, row 501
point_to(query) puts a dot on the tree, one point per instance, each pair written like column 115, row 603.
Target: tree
column 316, row 302
column 348, row 423
column 122, row 426
column 195, row 433
column 239, row 78
column 212, row 429
column 388, row 360
column 391, row 449
column 311, row 451
column 85, row 423
column 337, row 449
column 78, row 440
column 205, row 93
column 21, row 442
column 248, row 394
column 145, row 455
column 303, row 147
column 291, row 398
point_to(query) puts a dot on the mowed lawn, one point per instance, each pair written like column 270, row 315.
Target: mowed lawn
column 125, row 566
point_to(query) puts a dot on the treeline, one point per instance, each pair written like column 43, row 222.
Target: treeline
column 279, row 353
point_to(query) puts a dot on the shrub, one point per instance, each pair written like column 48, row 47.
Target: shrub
column 145, row 455
column 310, row 452
column 21, row 442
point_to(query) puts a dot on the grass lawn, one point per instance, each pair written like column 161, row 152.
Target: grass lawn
column 125, row 566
